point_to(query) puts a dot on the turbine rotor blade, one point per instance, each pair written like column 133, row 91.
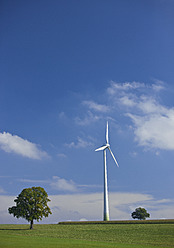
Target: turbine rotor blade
column 113, row 156
column 107, row 136
column 101, row 148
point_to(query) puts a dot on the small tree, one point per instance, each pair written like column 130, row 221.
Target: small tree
column 140, row 213
column 31, row 204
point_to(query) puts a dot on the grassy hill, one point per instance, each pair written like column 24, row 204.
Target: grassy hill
column 119, row 235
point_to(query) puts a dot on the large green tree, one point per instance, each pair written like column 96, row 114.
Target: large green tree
column 140, row 213
column 31, row 204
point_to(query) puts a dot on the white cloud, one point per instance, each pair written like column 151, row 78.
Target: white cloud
column 96, row 107
column 127, row 101
column 158, row 85
column 2, row 191
column 62, row 184
column 88, row 119
column 115, row 87
column 133, row 154
column 62, row 115
column 142, row 104
column 90, row 206
column 33, row 181
column 14, row 144
column 149, row 105
column 90, row 116
column 155, row 131
column 153, row 122
column 81, row 143
column 57, row 183
column 61, row 155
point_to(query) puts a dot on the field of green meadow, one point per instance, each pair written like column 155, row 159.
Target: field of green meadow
column 119, row 235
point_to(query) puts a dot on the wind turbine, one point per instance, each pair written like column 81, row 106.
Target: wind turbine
column 103, row 148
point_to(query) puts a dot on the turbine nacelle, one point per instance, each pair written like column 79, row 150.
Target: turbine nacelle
column 102, row 148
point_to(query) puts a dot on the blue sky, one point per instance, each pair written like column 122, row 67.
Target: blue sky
column 68, row 67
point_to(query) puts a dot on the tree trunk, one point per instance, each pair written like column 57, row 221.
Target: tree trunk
column 31, row 224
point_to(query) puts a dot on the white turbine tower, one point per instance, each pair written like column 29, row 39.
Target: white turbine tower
column 103, row 148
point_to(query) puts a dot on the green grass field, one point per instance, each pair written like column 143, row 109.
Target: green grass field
column 88, row 235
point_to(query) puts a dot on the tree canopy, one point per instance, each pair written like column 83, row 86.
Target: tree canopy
column 140, row 213
column 31, row 204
